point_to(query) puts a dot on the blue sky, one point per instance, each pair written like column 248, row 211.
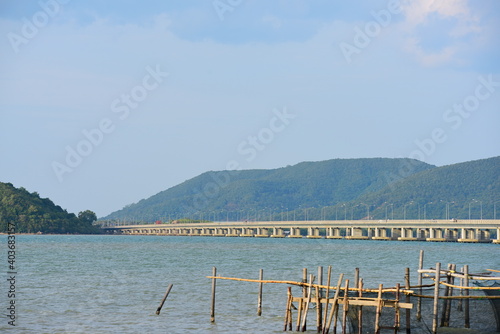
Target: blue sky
column 90, row 118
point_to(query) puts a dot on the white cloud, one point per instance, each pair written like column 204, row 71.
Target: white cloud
column 453, row 19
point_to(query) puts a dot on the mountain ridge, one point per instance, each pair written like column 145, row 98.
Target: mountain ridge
column 306, row 184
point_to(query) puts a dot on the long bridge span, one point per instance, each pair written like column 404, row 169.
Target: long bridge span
column 403, row 230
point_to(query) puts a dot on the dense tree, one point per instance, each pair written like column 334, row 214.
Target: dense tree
column 28, row 213
column 87, row 216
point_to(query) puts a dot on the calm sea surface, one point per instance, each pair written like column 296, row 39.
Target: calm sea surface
column 113, row 284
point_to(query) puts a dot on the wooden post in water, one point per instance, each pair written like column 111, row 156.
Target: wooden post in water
column 408, row 300
column 460, row 302
column 301, row 303
column 466, row 294
column 419, row 283
column 445, row 314
column 448, row 305
column 212, row 307
column 327, row 296
column 334, row 305
column 436, row 299
column 309, row 292
column 379, row 309
column 288, row 312
column 345, row 307
column 164, row 298
column 319, row 293
column 360, row 308
column 259, row 299
column 356, row 277
column 397, row 317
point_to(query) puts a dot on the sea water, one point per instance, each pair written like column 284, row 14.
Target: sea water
column 114, row 284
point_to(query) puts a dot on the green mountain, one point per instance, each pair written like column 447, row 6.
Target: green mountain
column 25, row 212
column 259, row 194
column 461, row 191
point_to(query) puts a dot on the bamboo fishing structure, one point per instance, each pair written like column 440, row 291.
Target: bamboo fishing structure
column 352, row 305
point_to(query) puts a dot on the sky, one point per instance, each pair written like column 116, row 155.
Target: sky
column 104, row 103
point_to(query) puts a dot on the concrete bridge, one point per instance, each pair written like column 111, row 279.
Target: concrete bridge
column 403, row 230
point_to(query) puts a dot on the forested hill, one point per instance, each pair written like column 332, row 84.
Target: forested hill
column 305, row 185
column 25, row 212
column 454, row 191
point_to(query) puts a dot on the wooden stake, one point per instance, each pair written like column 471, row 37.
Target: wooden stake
column 466, row 301
column 299, row 314
column 288, row 312
column 334, row 304
column 408, row 300
column 259, row 299
column 419, row 282
column 212, row 307
column 309, row 292
column 356, row 278
column 436, row 299
column 448, row 305
column 328, row 280
column 164, row 298
column 397, row 318
column 459, row 306
column 360, row 308
column 319, row 294
column 302, row 303
column 290, row 321
column 379, row 309
column 345, row 307
column 448, row 291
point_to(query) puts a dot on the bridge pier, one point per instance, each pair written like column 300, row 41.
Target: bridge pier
column 380, row 234
column 497, row 240
column 407, row 234
column 232, row 232
column 333, row 233
column 435, row 234
column 356, row 233
column 278, row 232
column 313, row 233
column 247, row 232
column 295, row 232
column 262, row 232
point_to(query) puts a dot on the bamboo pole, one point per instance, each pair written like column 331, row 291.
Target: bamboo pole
column 459, row 307
column 290, row 321
column 306, row 284
column 360, row 308
column 445, row 301
column 408, row 300
column 212, row 307
column 379, row 309
column 328, row 281
column 304, row 297
column 319, row 294
column 288, row 311
column 299, row 315
column 345, row 306
column 309, row 293
column 477, row 277
column 164, row 298
column 436, row 299
column 447, row 312
column 334, row 304
column 419, row 283
column 466, row 294
column 397, row 315
column 259, row 299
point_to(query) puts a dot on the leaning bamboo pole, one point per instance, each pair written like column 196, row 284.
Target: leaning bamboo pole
column 306, row 284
